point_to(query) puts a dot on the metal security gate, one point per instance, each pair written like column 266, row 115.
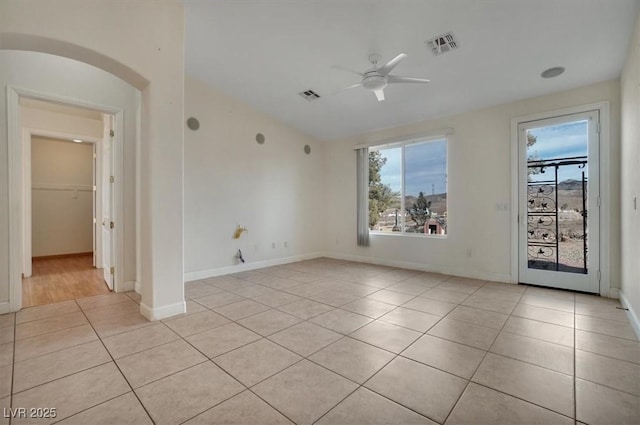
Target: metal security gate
column 543, row 217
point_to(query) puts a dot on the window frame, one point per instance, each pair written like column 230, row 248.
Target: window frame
column 403, row 144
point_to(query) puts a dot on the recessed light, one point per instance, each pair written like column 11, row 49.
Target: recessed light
column 77, row 140
column 552, row 72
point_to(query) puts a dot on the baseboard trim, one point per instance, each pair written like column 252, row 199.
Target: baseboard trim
column 614, row 293
column 631, row 313
column 457, row 271
column 160, row 313
column 138, row 287
column 60, row 256
column 129, row 286
column 5, row 307
column 203, row 274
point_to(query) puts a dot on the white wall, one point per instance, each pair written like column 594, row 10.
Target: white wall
column 274, row 189
column 479, row 174
column 70, row 79
column 630, row 171
column 143, row 43
column 62, row 197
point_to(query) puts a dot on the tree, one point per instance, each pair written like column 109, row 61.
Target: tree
column 420, row 212
column 531, row 140
column 380, row 195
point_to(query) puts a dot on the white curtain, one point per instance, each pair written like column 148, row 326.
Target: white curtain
column 363, row 195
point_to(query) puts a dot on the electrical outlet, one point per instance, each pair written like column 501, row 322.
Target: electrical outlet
column 469, row 253
column 273, row 245
column 286, row 244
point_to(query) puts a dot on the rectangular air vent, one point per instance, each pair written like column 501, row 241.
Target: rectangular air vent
column 309, row 95
column 442, row 44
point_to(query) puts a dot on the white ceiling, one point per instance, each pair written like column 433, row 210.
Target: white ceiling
column 265, row 52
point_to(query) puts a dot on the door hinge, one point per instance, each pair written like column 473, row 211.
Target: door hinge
column 599, row 275
column 112, row 179
column 112, row 133
column 111, row 225
column 112, row 270
column 598, row 127
column 598, row 201
column 95, row 156
column 94, row 220
column 95, row 188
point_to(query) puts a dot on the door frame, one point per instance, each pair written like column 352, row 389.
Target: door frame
column 27, row 134
column 604, row 166
column 17, row 159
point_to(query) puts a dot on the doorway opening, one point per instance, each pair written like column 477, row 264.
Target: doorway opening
column 67, row 242
column 559, row 202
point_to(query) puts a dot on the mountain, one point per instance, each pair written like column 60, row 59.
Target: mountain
column 570, row 184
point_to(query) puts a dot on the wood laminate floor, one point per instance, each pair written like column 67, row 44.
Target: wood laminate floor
column 62, row 279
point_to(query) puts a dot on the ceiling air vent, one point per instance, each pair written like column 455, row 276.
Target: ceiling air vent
column 442, row 44
column 309, row 95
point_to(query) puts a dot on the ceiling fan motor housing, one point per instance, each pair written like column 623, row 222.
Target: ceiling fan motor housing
column 374, row 82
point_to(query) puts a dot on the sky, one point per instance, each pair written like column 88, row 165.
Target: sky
column 425, row 165
column 560, row 141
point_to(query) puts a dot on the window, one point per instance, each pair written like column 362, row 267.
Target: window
column 408, row 188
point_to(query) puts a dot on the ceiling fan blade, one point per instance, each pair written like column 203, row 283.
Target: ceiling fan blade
column 352, row 86
column 342, row 68
column 399, row 79
column 387, row 67
column 379, row 95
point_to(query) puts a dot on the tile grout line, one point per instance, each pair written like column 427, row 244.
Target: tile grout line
column 90, row 407
column 246, row 388
column 396, row 355
column 342, row 336
column 480, row 363
column 119, row 370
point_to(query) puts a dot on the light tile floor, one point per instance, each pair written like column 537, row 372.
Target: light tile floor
column 327, row 342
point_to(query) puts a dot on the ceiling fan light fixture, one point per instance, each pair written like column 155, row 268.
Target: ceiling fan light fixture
column 374, row 82
column 376, row 79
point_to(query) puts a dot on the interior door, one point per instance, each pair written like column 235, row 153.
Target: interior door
column 94, row 207
column 107, row 202
column 559, row 201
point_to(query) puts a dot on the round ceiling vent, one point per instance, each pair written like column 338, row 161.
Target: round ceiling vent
column 307, row 149
column 260, row 138
column 552, row 72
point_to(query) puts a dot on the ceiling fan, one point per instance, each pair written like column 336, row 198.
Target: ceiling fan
column 377, row 78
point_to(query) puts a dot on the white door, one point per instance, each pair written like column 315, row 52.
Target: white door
column 559, row 197
column 94, row 207
column 107, row 201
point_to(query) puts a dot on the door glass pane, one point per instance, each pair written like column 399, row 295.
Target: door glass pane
column 557, row 170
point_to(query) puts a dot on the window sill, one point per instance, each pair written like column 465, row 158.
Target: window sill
column 406, row 235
